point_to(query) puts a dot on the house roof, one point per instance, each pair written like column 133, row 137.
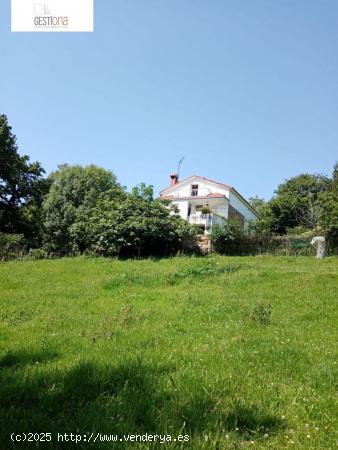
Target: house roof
column 214, row 195
column 245, row 201
column 194, row 197
column 199, row 177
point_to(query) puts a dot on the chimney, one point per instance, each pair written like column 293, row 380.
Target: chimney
column 173, row 179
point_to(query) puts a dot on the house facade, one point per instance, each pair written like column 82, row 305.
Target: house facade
column 206, row 202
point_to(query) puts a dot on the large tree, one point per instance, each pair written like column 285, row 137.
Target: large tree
column 296, row 202
column 136, row 226
column 74, row 191
column 21, row 183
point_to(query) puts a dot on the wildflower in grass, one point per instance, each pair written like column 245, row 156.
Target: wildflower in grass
column 266, row 435
column 308, row 436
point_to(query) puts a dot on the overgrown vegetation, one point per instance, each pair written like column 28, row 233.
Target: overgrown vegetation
column 80, row 209
column 232, row 239
column 303, row 205
column 84, row 210
column 22, row 189
column 11, row 246
column 234, row 352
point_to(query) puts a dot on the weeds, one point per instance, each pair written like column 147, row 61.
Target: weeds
column 261, row 313
column 201, row 271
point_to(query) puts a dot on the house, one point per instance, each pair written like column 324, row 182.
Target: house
column 206, row 202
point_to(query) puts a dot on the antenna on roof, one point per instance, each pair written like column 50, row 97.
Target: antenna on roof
column 179, row 165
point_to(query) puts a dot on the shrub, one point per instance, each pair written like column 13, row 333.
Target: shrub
column 232, row 239
column 37, row 253
column 12, row 246
column 228, row 238
column 138, row 226
column 332, row 242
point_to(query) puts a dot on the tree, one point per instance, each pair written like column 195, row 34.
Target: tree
column 328, row 216
column 265, row 219
column 21, row 183
column 32, row 214
column 258, row 204
column 74, row 191
column 136, row 226
column 143, row 191
column 296, row 202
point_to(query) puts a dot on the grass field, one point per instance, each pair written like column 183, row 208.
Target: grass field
column 234, row 352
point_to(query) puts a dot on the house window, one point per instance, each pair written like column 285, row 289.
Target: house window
column 199, row 208
column 194, row 190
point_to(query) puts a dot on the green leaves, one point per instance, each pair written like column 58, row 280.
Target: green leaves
column 21, row 184
column 87, row 210
column 307, row 201
column 74, row 192
column 135, row 226
column 227, row 237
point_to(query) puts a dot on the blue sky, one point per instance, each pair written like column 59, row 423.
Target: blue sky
column 246, row 90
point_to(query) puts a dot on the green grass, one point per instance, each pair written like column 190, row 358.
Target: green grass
column 173, row 346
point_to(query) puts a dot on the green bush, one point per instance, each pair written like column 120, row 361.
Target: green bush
column 138, row 226
column 229, row 238
column 332, row 242
column 12, row 246
column 232, row 239
column 37, row 253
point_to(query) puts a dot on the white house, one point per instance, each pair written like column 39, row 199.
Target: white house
column 207, row 202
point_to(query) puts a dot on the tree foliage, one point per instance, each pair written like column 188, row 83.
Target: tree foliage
column 257, row 203
column 328, row 217
column 22, row 186
column 296, row 203
column 79, row 209
column 228, row 237
column 136, row 226
column 74, row 191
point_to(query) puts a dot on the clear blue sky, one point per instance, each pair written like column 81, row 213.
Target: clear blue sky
column 246, row 90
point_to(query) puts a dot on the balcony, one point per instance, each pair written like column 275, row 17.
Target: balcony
column 207, row 220
column 196, row 193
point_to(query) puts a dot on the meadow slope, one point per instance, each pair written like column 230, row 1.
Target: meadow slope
column 234, row 352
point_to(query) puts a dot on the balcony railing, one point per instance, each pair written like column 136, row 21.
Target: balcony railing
column 200, row 192
column 208, row 220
